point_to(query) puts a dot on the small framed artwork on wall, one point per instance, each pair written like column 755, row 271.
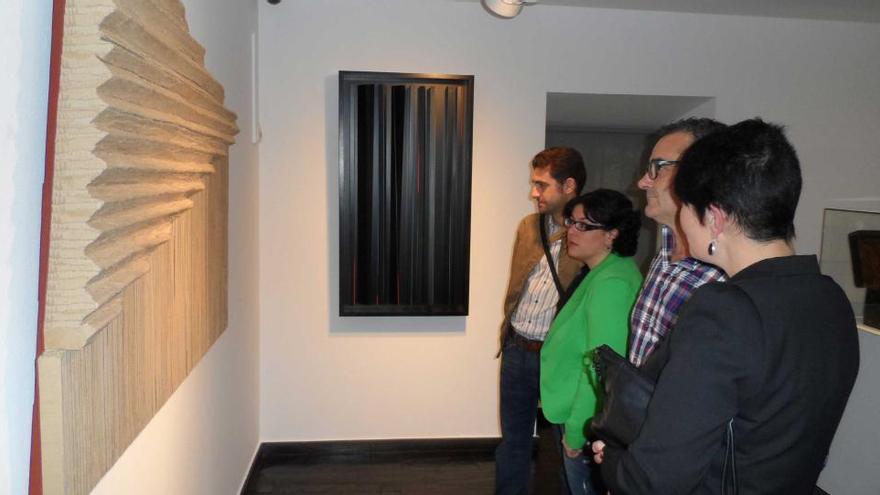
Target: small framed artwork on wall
column 404, row 193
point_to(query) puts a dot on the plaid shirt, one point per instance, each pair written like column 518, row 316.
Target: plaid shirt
column 668, row 285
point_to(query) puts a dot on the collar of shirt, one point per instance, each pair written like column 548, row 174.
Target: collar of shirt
column 553, row 230
column 667, row 246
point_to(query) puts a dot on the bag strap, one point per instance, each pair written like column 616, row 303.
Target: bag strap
column 729, row 461
column 573, row 286
column 730, row 453
column 541, row 221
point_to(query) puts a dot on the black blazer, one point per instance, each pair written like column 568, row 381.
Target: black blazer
column 776, row 349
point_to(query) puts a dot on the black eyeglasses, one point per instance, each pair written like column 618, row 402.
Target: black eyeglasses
column 654, row 166
column 582, row 226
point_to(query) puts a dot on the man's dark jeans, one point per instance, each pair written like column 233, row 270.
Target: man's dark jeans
column 520, row 374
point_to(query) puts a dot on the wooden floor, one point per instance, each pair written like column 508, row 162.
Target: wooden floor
column 429, row 467
column 399, row 468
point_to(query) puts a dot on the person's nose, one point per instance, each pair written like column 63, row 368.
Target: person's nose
column 645, row 182
column 534, row 193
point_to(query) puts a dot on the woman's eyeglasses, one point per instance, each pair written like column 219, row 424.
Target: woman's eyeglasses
column 582, row 226
column 654, row 166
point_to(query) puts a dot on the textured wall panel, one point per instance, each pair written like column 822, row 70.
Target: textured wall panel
column 136, row 291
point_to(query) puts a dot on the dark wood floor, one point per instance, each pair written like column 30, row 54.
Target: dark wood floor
column 417, row 467
column 399, row 468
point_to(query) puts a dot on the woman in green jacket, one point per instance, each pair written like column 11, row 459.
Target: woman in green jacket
column 603, row 233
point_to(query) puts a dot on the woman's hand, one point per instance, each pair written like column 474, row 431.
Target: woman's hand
column 598, row 448
column 570, row 452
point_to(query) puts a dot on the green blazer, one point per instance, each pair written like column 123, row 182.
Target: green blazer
column 597, row 313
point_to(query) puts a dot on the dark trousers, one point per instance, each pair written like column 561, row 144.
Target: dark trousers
column 579, row 475
column 520, row 373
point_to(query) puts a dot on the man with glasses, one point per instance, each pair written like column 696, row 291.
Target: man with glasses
column 673, row 274
column 540, row 272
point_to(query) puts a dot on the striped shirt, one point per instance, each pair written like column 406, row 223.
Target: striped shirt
column 537, row 304
column 668, row 285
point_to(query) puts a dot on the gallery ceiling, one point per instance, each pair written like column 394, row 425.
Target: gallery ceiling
column 841, row 10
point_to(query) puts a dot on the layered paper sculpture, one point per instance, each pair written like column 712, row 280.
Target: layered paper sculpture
column 136, row 289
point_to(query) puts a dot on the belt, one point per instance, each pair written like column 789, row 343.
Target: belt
column 524, row 343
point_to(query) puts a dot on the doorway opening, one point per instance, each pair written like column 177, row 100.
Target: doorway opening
column 614, row 135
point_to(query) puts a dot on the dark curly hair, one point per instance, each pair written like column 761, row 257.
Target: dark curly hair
column 615, row 211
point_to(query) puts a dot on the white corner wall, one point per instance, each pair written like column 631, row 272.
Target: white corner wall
column 24, row 81
column 203, row 439
column 325, row 377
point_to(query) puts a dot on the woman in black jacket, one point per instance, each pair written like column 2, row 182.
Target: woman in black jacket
column 757, row 371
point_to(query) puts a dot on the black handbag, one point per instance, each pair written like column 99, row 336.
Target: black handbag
column 625, row 403
column 628, row 392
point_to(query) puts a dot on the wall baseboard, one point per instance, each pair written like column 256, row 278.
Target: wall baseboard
column 246, row 479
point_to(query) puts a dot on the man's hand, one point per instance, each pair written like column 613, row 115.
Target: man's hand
column 570, row 452
column 598, row 448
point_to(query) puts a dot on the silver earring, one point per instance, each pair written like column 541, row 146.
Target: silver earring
column 712, row 248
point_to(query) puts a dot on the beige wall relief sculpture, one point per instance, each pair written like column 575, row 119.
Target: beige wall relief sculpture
column 136, row 289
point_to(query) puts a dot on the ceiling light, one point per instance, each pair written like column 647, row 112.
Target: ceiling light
column 506, row 8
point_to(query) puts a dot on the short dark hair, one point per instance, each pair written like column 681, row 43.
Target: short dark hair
column 564, row 163
column 698, row 127
column 614, row 211
column 750, row 171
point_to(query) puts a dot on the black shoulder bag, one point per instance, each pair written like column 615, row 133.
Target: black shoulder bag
column 625, row 402
column 628, row 392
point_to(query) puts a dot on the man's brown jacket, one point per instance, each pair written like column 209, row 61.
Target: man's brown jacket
column 527, row 252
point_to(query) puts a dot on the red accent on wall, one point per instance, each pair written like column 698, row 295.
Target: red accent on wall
column 36, row 474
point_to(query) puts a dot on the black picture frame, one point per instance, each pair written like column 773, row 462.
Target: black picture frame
column 405, row 147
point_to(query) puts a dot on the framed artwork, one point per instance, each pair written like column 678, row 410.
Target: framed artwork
column 405, row 186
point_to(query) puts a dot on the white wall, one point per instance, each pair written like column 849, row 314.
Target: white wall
column 24, row 81
column 325, row 377
column 854, row 462
column 203, row 440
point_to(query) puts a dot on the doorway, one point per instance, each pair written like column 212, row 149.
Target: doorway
column 614, row 135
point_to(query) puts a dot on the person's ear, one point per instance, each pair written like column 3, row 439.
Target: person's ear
column 569, row 186
column 610, row 236
column 717, row 219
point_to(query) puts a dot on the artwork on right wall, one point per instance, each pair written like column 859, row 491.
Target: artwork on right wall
column 864, row 248
column 851, row 256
